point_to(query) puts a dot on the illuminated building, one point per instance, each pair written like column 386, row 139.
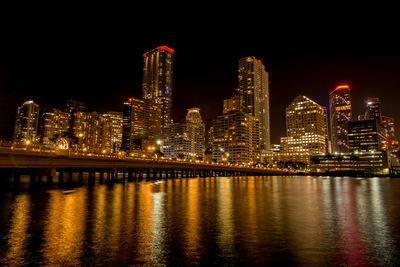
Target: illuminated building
column 234, row 138
column 254, row 95
column 186, row 140
column 305, row 129
column 367, row 162
column 389, row 126
column 112, row 132
column 373, row 111
column 157, row 80
column 366, row 136
column 141, row 124
column 87, row 128
column 126, row 126
column 54, row 125
column 74, row 106
column 26, row 124
column 231, row 104
column 339, row 115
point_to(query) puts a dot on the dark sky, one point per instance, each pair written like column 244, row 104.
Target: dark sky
column 98, row 58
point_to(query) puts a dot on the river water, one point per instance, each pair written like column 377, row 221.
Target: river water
column 249, row 221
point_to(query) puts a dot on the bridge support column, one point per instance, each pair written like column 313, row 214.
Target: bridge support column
column 80, row 177
column 32, row 178
column 91, row 178
column 60, row 177
column 101, row 177
column 70, row 177
column 17, row 178
column 130, row 175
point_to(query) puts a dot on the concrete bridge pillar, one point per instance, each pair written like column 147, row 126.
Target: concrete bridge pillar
column 60, row 177
column 70, row 173
column 17, row 178
column 91, row 178
column 80, row 177
column 101, row 177
column 32, row 178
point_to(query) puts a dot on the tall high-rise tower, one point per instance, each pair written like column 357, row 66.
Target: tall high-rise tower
column 373, row 111
column 26, row 124
column 254, row 95
column 339, row 115
column 305, row 126
column 157, row 80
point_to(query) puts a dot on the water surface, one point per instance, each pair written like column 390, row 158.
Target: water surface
column 306, row 221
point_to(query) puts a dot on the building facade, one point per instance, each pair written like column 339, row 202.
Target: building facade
column 158, row 80
column 231, row 104
column 366, row 136
column 234, row 138
column 112, row 132
column 254, row 95
column 54, row 125
column 26, row 124
column 305, row 128
column 339, row 115
column 141, row 124
column 186, row 140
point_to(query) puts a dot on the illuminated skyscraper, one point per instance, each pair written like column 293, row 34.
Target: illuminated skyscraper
column 231, row 104
column 234, row 138
column 366, row 136
column 186, row 140
column 373, row 111
column 141, row 124
column 54, row 125
column 305, row 127
column 339, row 115
column 112, row 132
column 254, row 95
column 157, row 80
column 26, row 124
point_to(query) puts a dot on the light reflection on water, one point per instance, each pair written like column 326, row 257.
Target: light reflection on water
column 306, row 221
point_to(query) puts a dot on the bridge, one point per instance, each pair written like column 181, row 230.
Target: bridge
column 46, row 166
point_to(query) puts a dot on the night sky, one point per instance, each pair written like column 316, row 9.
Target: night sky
column 98, row 60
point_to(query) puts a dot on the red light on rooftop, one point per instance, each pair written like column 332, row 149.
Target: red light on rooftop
column 166, row 48
column 342, row 87
column 144, row 54
column 130, row 99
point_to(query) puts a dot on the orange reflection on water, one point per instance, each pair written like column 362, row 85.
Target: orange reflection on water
column 225, row 216
column 144, row 221
column 64, row 228
column 18, row 233
column 191, row 198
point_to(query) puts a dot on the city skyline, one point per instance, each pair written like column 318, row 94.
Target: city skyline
column 309, row 69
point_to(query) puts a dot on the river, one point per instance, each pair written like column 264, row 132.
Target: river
column 249, row 221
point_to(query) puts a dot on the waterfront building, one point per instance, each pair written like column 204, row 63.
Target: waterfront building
column 366, row 136
column 141, row 124
column 306, row 126
column 112, row 132
column 231, row 104
column 26, row 124
column 389, row 126
column 234, row 138
column 186, row 140
column 339, row 115
column 73, row 106
column 254, row 95
column 373, row 111
column 158, row 80
column 373, row 162
column 54, row 125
